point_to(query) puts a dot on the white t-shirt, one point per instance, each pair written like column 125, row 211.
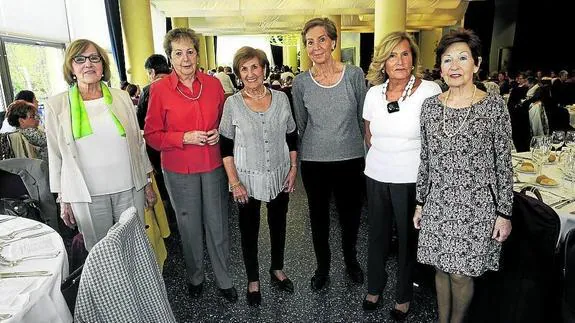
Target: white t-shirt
column 395, row 137
column 104, row 155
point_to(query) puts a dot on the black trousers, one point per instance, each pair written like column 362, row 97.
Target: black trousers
column 387, row 201
column 249, row 221
column 345, row 179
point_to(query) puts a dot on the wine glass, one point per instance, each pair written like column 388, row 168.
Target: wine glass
column 557, row 139
column 570, row 139
column 540, row 148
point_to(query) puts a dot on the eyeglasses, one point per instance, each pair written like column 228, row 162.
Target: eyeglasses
column 35, row 116
column 82, row 59
column 392, row 107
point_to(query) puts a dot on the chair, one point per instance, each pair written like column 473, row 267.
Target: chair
column 568, row 277
column 121, row 281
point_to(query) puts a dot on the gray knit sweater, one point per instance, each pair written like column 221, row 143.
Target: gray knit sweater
column 329, row 119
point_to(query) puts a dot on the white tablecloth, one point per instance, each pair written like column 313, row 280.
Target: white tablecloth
column 549, row 194
column 33, row 299
column 571, row 110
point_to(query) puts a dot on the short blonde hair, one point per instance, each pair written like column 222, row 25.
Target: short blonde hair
column 382, row 52
column 76, row 48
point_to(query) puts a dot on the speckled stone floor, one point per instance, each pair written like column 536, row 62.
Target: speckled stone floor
column 341, row 302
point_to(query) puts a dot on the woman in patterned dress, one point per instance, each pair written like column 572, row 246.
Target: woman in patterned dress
column 464, row 184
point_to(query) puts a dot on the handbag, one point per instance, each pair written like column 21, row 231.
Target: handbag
column 69, row 288
column 24, row 207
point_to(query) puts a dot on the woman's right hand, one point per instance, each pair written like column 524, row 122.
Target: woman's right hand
column 195, row 137
column 240, row 194
column 67, row 215
column 417, row 217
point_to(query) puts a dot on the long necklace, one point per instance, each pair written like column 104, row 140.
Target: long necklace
column 190, row 97
column 258, row 96
column 444, row 105
column 406, row 90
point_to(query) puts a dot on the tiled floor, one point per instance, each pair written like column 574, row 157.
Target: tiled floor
column 340, row 303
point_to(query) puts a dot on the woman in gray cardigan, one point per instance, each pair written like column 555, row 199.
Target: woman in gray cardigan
column 258, row 145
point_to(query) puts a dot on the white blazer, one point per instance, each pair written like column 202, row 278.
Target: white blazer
column 66, row 176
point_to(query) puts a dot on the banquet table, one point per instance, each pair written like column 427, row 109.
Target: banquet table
column 548, row 193
column 36, row 298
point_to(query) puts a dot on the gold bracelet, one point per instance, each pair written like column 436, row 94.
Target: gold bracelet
column 234, row 185
column 292, row 165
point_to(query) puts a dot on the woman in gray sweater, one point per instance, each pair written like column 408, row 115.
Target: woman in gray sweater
column 328, row 103
column 258, row 145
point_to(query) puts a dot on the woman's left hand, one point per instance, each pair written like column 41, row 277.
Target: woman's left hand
column 289, row 183
column 213, row 137
column 502, row 229
column 151, row 197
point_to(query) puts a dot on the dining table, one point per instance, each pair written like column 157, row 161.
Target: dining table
column 563, row 190
column 33, row 264
column 571, row 110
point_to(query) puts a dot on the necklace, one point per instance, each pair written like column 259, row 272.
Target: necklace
column 189, row 97
column 257, row 96
column 406, row 90
column 444, row 105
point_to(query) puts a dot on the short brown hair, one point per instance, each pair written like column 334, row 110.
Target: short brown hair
column 459, row 36
column 246, row 53
column 76, row 48
column 382, row 52
column 178, row 34
column 18, row 109
column 327, row 24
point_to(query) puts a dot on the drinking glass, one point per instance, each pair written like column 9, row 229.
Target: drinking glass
column 540, row 148
column 570, row 139
column 557, row 139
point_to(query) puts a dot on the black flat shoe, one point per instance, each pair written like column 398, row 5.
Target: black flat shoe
column 371, row 306
column 230, row 294
column 285, row 285
column 398, row 315
column 319, row 282
column 254, row 298
column 355, row 273
column 195, row 290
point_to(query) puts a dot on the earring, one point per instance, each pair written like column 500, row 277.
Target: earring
column 412, row 68
column 74, row 77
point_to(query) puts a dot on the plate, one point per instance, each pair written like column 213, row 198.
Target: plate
column 519, row 170
column 546, row 185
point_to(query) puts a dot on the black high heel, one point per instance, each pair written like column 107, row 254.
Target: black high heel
column 398, row 315
column 253, row 298
column 285, row 285
column 370, row 306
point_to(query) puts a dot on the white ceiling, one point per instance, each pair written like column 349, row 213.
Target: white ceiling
column 232, row 17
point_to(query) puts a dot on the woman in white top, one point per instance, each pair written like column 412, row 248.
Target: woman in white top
column 391, row 113
column 97, row 156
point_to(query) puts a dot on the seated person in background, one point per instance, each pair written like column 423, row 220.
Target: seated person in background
column 275, row 81
column 134, row 92
column 23, row 116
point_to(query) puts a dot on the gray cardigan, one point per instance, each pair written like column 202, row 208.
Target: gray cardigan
column 329, row 119
column 261, row 154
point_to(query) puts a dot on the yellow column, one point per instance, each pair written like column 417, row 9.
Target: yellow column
column 290, row 56
column 389, row 16
column 428, row 43
column 304, row 61
column 203, row 53
column 210, row 52
column 137, row 26
column 180, row 22
column 337, row 51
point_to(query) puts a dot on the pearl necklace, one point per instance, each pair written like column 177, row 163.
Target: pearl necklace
column 258, row 96
column 188, row 97
column 444, row 105
column 406, row 90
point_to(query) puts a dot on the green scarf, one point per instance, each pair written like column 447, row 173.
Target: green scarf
column 80, row 121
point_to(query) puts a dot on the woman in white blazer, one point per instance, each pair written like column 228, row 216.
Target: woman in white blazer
column 97, row 156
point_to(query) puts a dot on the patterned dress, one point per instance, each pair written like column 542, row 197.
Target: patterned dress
column 464, row 181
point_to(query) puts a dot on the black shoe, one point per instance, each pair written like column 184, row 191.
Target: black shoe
column 285, row 285
column 254, row 298
column 319, row 281
column 398, row 315
column 355, row 273
column 230, row 294
column 195, row 290
column 371, row 306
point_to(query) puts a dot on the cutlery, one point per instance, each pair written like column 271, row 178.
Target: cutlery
column 520, row 157
column 19, row 274
column 4, row 316
column 13, row 234
column 554, row 204
column 14, row 262
column 7, row 219
column 39, row 234
column 565, row 203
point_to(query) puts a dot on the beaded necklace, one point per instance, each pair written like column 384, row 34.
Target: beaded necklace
column 444, row 105
column 256, row 97
column 406, row 90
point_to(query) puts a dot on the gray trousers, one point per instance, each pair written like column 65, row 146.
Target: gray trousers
column 201, row 202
